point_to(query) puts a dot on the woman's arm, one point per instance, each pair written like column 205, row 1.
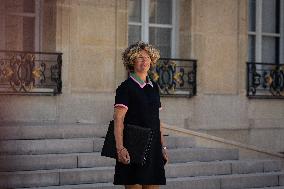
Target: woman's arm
column 163, row 142
column 118, row 116
column 162, row 135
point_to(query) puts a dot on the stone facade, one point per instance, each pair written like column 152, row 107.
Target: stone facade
column 93, row 33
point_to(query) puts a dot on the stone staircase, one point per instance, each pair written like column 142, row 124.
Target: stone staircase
column 68, row 157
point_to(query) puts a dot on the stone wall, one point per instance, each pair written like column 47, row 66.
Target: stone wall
column 92, row 37
column 218, row 38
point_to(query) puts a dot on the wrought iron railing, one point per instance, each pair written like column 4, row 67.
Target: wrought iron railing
column 265, row 80
column 175, row 77
column 30, row 73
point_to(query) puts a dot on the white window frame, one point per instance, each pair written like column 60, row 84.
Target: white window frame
column 38, row 24
column 259, row 34
column 145, row 25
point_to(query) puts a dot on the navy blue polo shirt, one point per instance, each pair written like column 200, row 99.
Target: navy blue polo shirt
column 141, row 99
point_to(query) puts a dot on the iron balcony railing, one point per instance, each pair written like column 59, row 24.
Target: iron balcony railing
column 30, row 73
column 175, row 77
column 265, row 80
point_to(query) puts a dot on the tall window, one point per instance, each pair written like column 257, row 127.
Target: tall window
column 20, row 25
column 266, row 31
column 153, row 21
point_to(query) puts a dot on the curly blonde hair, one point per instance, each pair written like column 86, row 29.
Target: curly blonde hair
column 131, row 53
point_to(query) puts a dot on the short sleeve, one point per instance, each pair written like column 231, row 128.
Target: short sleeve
column 160, row 105
column 121, row 96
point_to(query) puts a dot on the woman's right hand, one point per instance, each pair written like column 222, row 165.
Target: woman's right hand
column 122, row 153
column 123, row 156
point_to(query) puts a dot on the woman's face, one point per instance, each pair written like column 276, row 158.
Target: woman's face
column 142, row 62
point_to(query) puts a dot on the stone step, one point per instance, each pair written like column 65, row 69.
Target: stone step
column 237, row 181
column 179, row 155
column 49, row 146
column 81, row 186
column 29, row 131
column 55, row 177
column 53, row 161
column 111, row 186
column 273, row 187
column 94, row 159
column 256, row 180
column 179, row 142
column 105, row 174
column 255, row 165
column 222, row 167
column 51, row 131
column 202, row 154
column 39, row 162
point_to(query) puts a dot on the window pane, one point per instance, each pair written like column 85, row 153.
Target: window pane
column 160, row 11
column 28, row 34
column 134, row 10
column 2, row 25
column 29, row 5
column 20, row 33
column 252, row 12
column 13, row 32
column 134, row 34
column 270, row 49
column 161, row 38
column 20, row 6
column 2, row 7
column 251, row 48
column 270, row 16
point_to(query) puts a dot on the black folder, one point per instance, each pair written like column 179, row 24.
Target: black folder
column 136, row 139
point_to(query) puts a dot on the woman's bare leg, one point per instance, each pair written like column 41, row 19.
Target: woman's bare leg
column 150, row 186
column 136, row 186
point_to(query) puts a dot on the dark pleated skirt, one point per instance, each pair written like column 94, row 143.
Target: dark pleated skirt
column 152, row 173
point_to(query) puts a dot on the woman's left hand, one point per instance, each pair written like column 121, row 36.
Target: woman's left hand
column 165, row 155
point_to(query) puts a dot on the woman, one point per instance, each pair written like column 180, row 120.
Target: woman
column 137, row 101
